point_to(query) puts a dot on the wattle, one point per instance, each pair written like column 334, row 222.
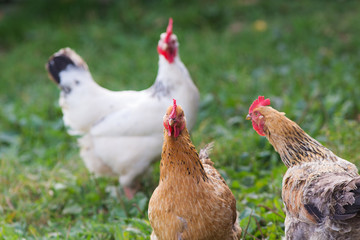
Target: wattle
column 258, row 129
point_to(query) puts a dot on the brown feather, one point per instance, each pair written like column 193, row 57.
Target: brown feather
column 320, row 190
column 192, row 200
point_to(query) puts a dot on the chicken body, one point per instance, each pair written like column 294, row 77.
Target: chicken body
column 321, row 191
column 192, row 200
column 120, row 131
column 322, row 201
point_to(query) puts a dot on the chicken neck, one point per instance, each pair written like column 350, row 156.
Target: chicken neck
column 179, row 159
column 294, row 145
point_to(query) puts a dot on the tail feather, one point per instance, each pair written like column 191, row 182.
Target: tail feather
column 236, row 227
column 61, row 60
column 352, row 208
column 355, row 207
column 204, row 154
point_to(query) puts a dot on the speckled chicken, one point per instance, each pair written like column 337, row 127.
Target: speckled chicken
column 192, row 200
column 120, row 131
column 321, row 191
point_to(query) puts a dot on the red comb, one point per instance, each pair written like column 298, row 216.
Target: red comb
column 173, row 112
column 261, row 101
column 169, row 30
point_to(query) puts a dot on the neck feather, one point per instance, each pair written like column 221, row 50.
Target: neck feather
column 180, row 159
column 295, row 146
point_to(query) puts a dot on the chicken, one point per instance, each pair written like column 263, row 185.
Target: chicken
column 192, row 200
column 120, row 131
column 320, row 191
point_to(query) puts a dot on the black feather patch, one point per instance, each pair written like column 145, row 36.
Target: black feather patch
column 350, row 210
column 314, row 211
column 58, row 64
column 159, row 89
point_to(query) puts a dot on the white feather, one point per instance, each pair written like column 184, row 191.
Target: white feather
column 122, row 132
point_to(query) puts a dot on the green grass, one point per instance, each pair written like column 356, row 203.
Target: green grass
column 306, row 59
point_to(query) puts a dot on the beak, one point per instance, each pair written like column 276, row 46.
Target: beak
column 171, row 121
column 248, row 117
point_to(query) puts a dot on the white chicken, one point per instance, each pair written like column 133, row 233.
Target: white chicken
column 121, row 131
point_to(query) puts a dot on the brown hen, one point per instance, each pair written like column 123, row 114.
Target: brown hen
column 321, row 191
column 192, row 200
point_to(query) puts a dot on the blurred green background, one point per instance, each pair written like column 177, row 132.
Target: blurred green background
column 303, row 55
